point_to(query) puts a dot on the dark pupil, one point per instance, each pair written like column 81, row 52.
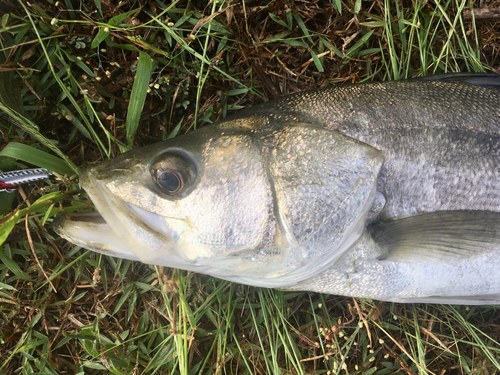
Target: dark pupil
column 169, row 181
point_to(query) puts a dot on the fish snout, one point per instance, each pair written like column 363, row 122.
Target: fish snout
column 118, row 168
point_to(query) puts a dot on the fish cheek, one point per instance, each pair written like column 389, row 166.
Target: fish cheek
column 135, row 193
column 231, row 209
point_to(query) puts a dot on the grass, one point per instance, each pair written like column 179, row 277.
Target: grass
column 89, row 80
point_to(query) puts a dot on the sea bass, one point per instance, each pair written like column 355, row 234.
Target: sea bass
column 384, row 190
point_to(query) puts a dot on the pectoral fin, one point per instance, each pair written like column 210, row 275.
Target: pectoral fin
column 439, row 236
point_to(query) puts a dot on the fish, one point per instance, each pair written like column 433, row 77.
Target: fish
column 388, row 191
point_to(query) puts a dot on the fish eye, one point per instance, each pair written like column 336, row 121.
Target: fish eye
column 173, row 173
column 170, row 181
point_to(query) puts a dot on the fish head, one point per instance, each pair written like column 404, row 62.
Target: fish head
column 256, row 207
column 197, row 202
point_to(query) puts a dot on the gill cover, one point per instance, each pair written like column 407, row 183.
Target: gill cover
column 324, row 184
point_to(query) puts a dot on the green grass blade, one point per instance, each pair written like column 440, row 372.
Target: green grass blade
column 5, row 229
column 37, row 157
column 184, row 45
column 101, row 35
column 40, row 205
column 32, row 129
column 138, row 95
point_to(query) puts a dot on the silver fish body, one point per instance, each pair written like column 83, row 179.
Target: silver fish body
column 387, row 191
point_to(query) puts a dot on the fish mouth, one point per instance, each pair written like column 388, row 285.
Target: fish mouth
column 91, row 231
column 117, row 228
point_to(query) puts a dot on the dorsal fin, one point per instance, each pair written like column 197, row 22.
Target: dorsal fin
column 486, row 80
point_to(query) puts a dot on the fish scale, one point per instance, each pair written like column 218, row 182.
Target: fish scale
column 396, row 104
column 412, row 123
column 442, row 169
